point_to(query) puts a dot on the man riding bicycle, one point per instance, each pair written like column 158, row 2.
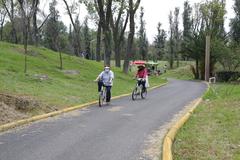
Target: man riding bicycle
column 105, row 79
column 142, row 74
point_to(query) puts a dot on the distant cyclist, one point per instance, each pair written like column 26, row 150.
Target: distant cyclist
column 105, row 79
column 142, row 74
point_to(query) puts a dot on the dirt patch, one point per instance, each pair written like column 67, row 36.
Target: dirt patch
column 41, row 77
column 29, row 53
column 9, row 114
column 23, row 103
column 15, row 107
column 71, row 72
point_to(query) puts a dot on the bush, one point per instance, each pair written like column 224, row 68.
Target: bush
column 226, row 76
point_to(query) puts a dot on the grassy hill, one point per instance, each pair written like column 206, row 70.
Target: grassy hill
column 60, row 89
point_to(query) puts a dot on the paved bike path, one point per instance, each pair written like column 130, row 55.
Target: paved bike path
column 115, row 132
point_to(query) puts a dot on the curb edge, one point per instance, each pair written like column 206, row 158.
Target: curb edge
column 170, row 136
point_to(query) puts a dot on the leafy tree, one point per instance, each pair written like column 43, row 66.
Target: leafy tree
column 93, row 13
column 235, row 23
column 171, row 39
column 53, row 27
column 160, row 41
column 231, row 60
column 55, row 32
column 187, row 27
column 208, row 19
column 213, row 13
column 177, row 35
column 87, row 38
column 143, row 42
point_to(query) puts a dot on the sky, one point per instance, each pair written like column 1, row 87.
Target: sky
column 155, row 11
column 158, row 11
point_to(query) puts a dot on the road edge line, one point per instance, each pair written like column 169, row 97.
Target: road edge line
column 22, row 122
column 170, row 136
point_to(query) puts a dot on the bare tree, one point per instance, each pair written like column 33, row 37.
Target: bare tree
column 132, row 11
column 27, row 9
column 9, row 6
column 3, row 14
column 70, row 10
column 119, row 25
column 38, row 27
column 105, row 19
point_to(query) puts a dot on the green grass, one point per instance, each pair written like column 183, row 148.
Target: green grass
column 213, row 131
column 60, row 90
column 184, row 72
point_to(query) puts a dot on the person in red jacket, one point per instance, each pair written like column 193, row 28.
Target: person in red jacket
column 141, row 76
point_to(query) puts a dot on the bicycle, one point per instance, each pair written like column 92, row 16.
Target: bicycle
column 102, row 96
column 138, row 90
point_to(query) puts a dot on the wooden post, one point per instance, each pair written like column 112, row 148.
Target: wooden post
column 207, row 58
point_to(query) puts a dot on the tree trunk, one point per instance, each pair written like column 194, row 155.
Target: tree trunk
column 117, row 56
column 129, row 45
column 98, row 46
column 77, row 45
column 1, row 33
column 35, row 27
column 14, row 32
column 171, row 56
column 132, row 11
column 2, row 24
column 108, row 47
column 25, row 35
column 197, row 69
column 61, row 61
column 177, row 60
column 35, row 30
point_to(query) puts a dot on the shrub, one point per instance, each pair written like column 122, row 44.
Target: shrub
column 226, row 76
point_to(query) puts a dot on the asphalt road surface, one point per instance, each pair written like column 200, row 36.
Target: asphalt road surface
column 115, row 132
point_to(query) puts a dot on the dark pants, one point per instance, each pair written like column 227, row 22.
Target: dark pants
column 143, row 83
column 108, row 90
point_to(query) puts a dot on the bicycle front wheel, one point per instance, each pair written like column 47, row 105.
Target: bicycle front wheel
column 101, row 99
column 134, row 94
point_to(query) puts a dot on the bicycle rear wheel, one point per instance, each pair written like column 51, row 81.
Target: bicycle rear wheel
column 144, row 94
